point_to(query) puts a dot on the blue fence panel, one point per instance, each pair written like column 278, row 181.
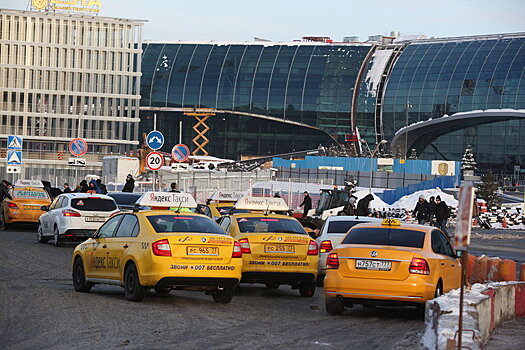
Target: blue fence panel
column 391, row 196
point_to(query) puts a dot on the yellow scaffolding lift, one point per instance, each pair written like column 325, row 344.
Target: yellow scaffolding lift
column 200, row 141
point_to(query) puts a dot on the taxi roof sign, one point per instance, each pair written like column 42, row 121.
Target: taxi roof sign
column 391, row 222
column 167, row 200
column 261, row 203
column 29, row 183
column 226, row 196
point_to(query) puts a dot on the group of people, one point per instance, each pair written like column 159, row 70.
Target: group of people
column 93, row 186
column 435, row 212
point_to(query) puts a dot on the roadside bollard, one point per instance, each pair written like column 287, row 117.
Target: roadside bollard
column 507, row 270
column 493, row 270
column 479, row 273
column 522, row 272
column 470, row 266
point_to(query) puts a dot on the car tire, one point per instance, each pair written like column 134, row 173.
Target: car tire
column 439, row 290
column 272, row 285
column 223, row 296
column 56, row 241
column 79, row 277
column 307, row 289
column 334, row 306
column 162, row 290
column 40, row 235
column 320, row 280
column 132, row 288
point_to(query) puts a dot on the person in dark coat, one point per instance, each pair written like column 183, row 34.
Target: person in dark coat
column 349, row 208
column 4, row 190
column 130, row 184
column 173, row 187
column 422, row 211
column 103, row 188
column 307, row 202
column 442, row 214
column 67, row 189
column 93, row 187
column 432, row 210
column 363, row 205
column 82, row 187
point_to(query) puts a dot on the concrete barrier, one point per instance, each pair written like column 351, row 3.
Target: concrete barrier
column 470, row 266
column 485, row 307
column 522, row 272
column 507, row 270
column 479, row 273
column 493, row 270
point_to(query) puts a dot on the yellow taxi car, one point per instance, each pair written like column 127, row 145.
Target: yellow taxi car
column 276, row 249
column 160, row 249
column 390, row 263
column 221, row 203
column 28, row 196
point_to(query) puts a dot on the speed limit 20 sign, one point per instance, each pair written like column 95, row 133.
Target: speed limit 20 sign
column 154, row 161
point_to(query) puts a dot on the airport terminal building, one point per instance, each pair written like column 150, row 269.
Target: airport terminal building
column 66, row 76
column 273, row 97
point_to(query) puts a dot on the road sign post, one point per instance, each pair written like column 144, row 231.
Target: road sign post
column 78, row 147
column 180, row 153
column 14, row 155
column 154, row 161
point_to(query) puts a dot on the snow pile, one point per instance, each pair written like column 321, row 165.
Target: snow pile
column 377, row 203
column 409, row 202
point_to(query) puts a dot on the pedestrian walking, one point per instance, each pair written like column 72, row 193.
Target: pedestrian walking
column 442, row 215
column 307, row 203
column 130, row 184
column 363, row 206
column 432, row 210
column 67, row 189
column 82, row 187
column 349, row 208
column 422, row 211
column 5, row 186
column 173, row 187
column 103, row 188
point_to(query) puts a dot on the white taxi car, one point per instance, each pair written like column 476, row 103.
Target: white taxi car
column 74, row 217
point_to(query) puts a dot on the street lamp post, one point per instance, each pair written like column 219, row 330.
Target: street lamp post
column 372, row 154
column 407, row 107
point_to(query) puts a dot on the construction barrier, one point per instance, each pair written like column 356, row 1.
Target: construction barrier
column 507, row 270
column 470, row 266
column 493, row 269
column 479, row 273
column 522, row 272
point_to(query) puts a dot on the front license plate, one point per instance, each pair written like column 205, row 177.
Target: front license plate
column 95, row 219
column 202, row 250
column 279, row 248
column 379, row 265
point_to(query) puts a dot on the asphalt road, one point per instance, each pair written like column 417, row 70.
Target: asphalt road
column 40, row 310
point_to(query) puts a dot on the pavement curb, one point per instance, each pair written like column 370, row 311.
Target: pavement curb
column 486, row 306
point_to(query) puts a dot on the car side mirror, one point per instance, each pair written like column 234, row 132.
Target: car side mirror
column 44, row 208
column 459, row 253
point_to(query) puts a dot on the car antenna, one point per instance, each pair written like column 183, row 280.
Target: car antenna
column 267, row 210
column 178, row 209
column 136, row 208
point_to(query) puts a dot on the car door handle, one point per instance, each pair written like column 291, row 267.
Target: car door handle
column 125, row 245
column 453, row 265
column 442, row 264
column 104, row 246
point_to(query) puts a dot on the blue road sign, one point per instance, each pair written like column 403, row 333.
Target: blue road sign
column 155, row 140
column 14, row 142
column 180, row 152
column 78, row 147
column 14, row 157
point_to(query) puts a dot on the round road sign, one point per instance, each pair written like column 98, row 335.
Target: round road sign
column 180, row 152
column 155, row 140
column 78, row 147
column 154, row 161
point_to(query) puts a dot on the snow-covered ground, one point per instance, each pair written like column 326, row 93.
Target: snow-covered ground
column 409, row 202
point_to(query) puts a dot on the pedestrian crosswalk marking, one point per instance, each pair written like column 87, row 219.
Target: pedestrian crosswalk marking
column 14, row 158
column 15, row 142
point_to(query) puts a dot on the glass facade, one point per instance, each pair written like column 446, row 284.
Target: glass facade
column 448, row 76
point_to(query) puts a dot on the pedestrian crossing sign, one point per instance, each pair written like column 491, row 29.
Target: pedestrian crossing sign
column 14, row 157
column 14, row 142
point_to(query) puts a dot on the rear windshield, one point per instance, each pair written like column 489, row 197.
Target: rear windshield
column 342, row 226
column 385, row 236
column 93, row 204
column 265, row 224
column 125, row 199
column 29, row 194
column 182, row 223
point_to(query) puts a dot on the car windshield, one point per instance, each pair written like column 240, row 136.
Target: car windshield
column 125, row 198
column 385, row 236
column 342, row 226
column 184, row 223
column 30, row 194
column 266, row 224
column 93, row 204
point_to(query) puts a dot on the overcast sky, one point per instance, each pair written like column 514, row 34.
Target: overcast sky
column 282, row 20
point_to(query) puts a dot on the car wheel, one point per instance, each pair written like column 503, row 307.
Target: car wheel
column 272, row 285
column 439, row 290
column 40, row 235
column 79, row 277
column 56, row 235
column 307, row 289
column 132, row 288
column 162, row 290
column 334, row 306
column 223, row 296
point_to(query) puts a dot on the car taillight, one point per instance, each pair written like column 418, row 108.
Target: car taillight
column 326, row 246
column 312, row 248
column 161, row 248
column 69, row 212
column 332, row 261
column 245, row 246
column 237, row 250
column 419, row 266
column 12, row 205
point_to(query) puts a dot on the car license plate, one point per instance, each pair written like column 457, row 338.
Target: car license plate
column 279, row 248
column 379, row 265
column 95, row 219
column 202, row 250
